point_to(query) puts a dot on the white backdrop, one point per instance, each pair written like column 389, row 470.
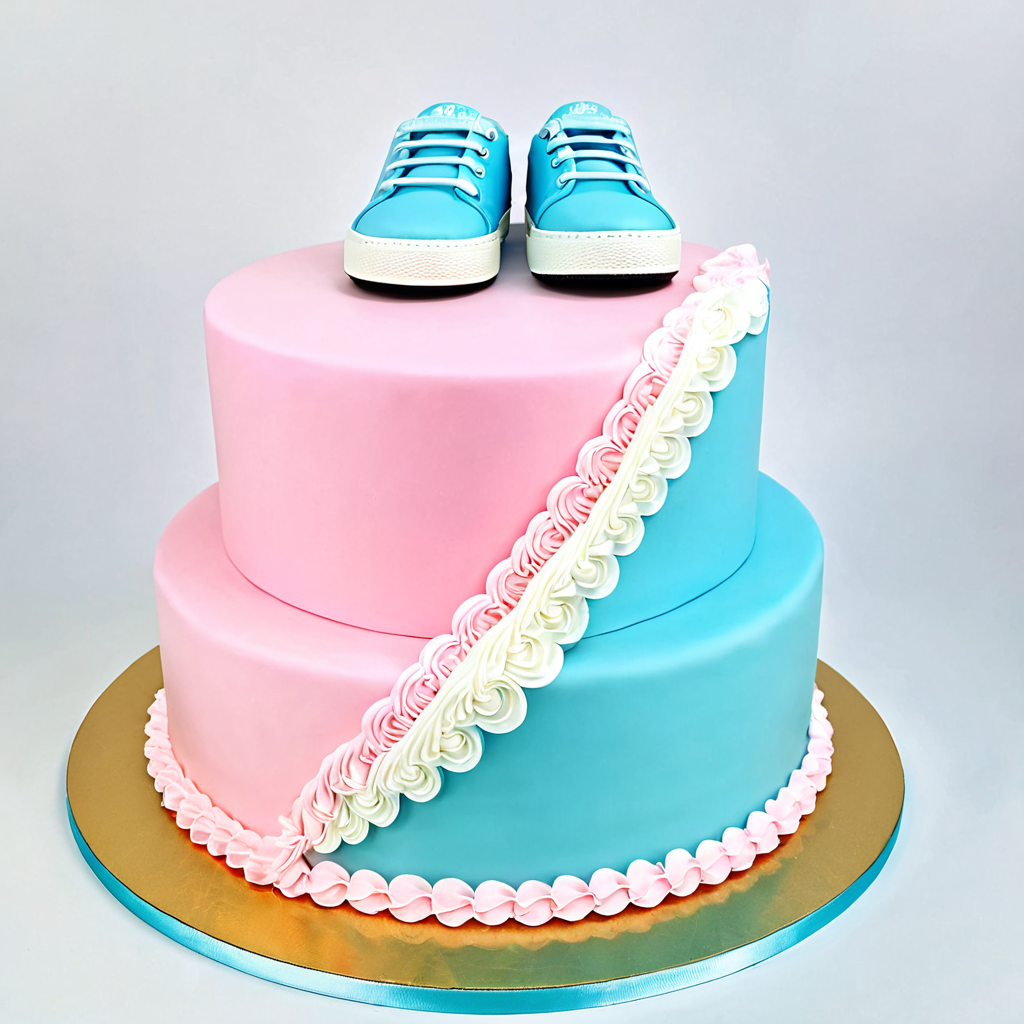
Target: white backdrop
column 872, row 151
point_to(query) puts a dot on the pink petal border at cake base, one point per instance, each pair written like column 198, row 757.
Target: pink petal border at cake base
column 279, row 861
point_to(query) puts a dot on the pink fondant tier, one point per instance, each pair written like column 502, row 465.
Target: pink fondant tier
column 258, row 691
column 378, row 457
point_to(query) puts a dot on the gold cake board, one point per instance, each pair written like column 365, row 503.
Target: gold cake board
column 152, row 867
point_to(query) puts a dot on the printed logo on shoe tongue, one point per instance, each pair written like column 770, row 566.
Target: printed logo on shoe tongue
column 454, row 110
column 581, row 108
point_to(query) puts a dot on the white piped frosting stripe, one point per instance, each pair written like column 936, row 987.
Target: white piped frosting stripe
column 509, row 639
column 454, row 902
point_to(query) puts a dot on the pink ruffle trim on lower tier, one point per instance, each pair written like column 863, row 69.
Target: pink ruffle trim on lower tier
column 279, row 860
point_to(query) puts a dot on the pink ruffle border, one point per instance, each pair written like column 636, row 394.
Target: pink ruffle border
column 268, row 860
column 569, row 503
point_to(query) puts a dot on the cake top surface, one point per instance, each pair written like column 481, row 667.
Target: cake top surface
column 301, row 303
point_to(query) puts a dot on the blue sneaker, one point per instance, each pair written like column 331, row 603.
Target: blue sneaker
column 590, row 213
column 441, row 207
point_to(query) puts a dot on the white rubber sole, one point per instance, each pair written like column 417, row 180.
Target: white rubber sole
column 602, row 253
column 426, row 263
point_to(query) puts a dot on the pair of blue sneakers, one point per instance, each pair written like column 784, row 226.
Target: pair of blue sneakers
column 440, row 210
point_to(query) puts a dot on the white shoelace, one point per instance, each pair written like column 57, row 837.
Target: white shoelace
column 413, row 158
column 618, row 149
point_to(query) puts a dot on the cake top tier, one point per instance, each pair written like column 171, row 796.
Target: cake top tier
column 379, row 455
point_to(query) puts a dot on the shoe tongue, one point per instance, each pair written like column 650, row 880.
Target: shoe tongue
column 461, row 117
column 585, row 118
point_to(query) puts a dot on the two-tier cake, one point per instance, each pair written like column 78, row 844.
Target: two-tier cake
column 491, row 614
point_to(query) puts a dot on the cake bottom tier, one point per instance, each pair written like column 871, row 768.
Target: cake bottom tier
column 653, row 737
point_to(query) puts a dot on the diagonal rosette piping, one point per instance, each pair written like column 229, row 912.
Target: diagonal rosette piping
column 484, row 689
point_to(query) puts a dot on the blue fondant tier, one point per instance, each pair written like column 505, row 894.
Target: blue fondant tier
column 715, row 498
column 652, row 737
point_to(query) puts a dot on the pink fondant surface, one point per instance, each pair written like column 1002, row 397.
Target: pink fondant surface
column 257, row 691
column 378, row 455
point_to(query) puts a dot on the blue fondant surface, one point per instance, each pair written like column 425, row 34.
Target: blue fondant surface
column 705, row 529
column 652, row 737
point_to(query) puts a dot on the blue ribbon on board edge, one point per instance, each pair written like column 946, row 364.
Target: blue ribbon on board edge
column 526, row 1000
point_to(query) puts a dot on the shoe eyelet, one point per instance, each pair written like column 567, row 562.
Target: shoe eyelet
column 479, row 171
column 484, row 153
column 555, row 162
column 562, row 181
column 491, row 134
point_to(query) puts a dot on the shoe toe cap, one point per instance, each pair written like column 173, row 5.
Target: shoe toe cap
column 584, row 210
column 422, row 213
